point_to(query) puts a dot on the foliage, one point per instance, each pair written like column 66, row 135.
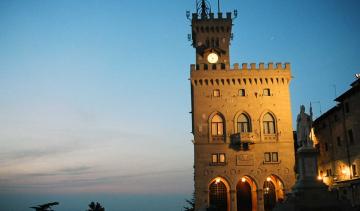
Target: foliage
column 191, row 204
column 45, row 207
column 95, row 207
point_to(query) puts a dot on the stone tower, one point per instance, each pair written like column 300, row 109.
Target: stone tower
column 241, row 122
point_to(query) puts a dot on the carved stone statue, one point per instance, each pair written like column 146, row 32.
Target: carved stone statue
column 303, row 127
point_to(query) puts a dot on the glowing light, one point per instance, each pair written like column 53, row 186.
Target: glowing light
column 268, row 179
column 345, row 171
column 319, row 177
column 243, row 179
column 217, row 180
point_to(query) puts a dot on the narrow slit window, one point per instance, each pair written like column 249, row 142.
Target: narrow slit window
column 266, row 92
column 242, row 92
column 216, row 93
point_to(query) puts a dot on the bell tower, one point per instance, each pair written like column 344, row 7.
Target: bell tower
column 241, row 122
column 211, row 35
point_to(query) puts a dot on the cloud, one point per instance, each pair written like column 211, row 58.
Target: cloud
column 72, row 171
column 173, row 180
column 6, row 157
column 75, row 170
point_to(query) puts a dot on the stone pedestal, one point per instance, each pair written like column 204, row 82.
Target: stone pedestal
column 307, row 170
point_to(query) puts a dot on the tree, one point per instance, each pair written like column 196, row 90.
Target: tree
column 95, row 207
column 45, row 207
column 191, row 203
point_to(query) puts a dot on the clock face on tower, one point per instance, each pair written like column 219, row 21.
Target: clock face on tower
column 212, row 58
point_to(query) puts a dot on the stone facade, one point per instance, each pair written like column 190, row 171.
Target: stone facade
column 337, row 135
column 242, row 124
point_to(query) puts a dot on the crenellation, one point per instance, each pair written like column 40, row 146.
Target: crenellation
column 194, row 16
column 244, row 67
column 212, row 16
column 228, row 15
column 227, row 66
column 261, row 66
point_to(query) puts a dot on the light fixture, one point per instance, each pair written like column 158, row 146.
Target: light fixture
column 345, row 171
column 217, row 180
column 268, row 179
column 319, row 177
column 243, row 179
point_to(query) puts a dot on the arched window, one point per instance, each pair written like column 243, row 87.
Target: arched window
column 268, row 124
column 217, row 126
column 243, row 124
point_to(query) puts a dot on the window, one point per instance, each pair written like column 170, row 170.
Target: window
column 271, row 157
column 328, row 172
column 216, row 93
column 274, row 157
column 338, row 140
column 353, row 168
column 347, row 110
column 243, row 124
column 267, row 157
column 268, row 124
column 266, row 92
column 351, row 136
column 214, row 158
column 218, row 158
column 217, row 126
column 242, row 92
column 221, row 158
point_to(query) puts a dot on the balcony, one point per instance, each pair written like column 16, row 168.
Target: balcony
column 241, row 141
column 247, row 137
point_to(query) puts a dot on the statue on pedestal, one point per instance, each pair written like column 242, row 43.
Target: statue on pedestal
column 303, row 127
column 309, row 193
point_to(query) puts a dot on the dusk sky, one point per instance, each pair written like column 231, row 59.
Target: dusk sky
column 95, row 97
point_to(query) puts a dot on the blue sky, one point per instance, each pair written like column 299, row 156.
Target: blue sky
column 95, row 98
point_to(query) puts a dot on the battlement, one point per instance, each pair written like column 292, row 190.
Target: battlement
column 244, row 67
column 212, row 16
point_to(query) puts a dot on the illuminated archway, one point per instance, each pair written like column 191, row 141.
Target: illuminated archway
column 273, row 192
column 246, row 196
column 219, row 194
